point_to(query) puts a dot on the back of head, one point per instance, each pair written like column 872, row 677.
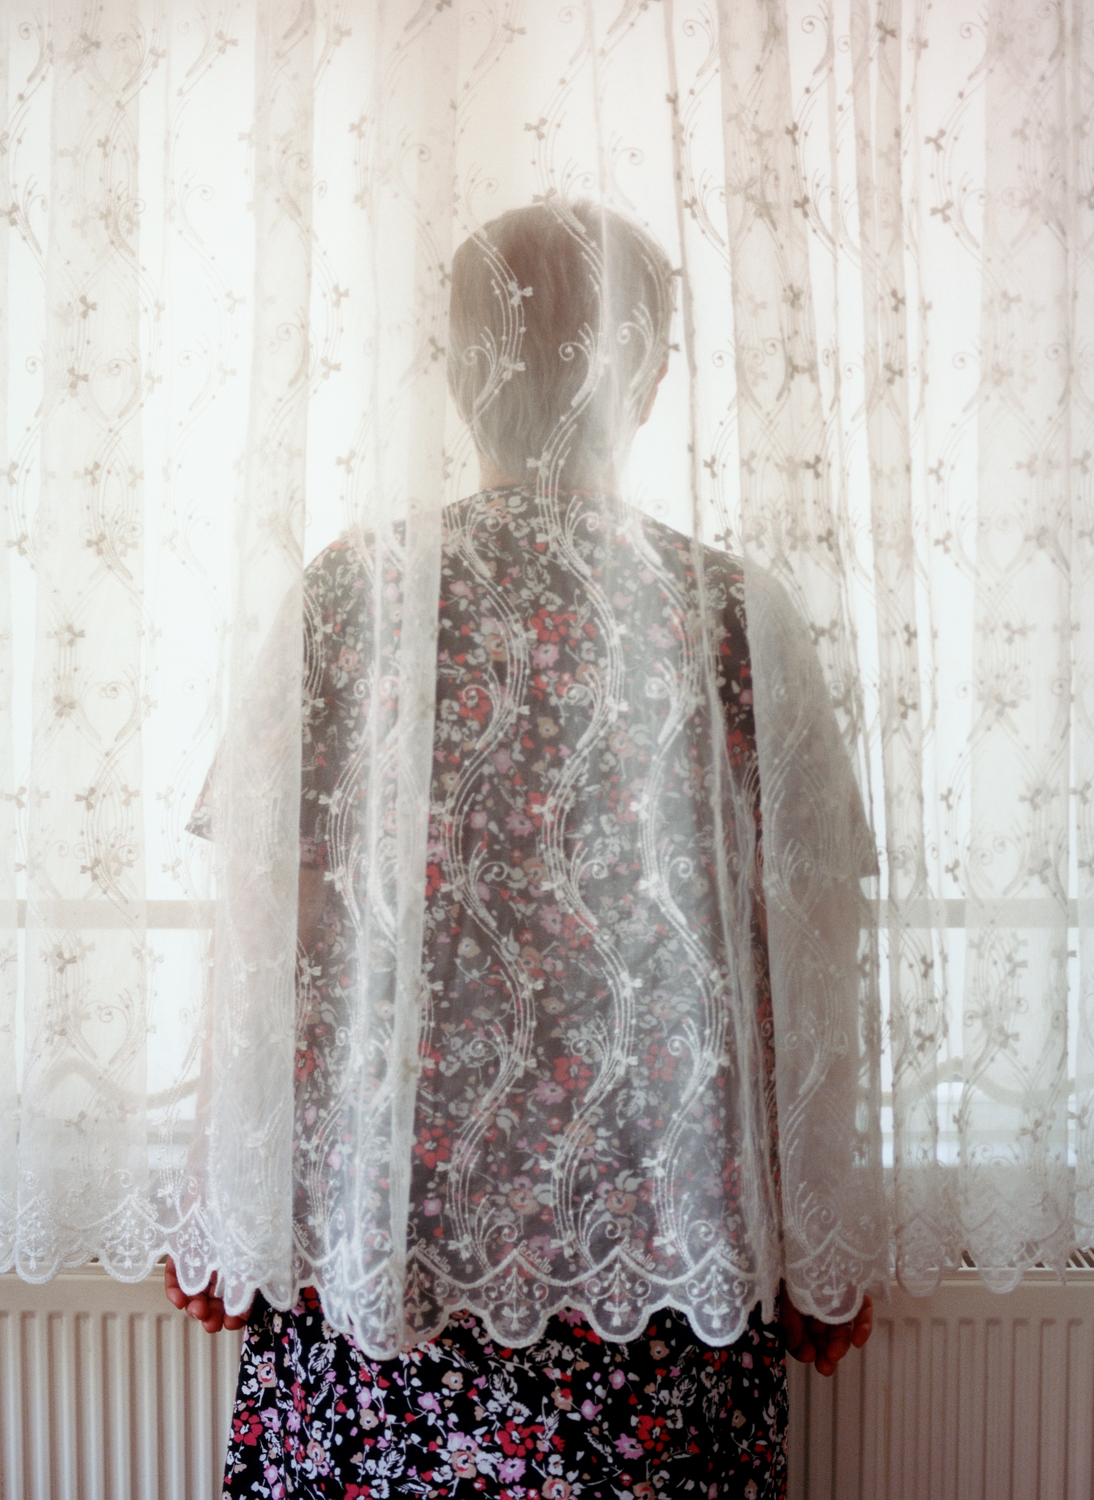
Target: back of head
column 558, row 330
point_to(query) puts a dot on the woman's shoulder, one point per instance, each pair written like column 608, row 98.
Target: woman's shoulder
column 338, row 576
column 345, row 555
column 347, row 564
column 687, row 556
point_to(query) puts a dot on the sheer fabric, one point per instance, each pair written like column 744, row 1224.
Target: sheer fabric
column 228, row 249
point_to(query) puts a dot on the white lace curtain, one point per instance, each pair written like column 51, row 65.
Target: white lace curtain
column 226, row 239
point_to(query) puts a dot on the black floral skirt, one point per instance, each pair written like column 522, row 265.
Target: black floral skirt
column 572, row 1417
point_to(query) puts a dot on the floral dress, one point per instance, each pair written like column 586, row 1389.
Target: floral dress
column 622, row 1398
column 571, row 1417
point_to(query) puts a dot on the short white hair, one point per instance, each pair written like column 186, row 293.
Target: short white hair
column 559, row 328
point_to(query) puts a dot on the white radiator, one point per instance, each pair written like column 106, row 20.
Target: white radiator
column 106, row 1393
column 960, row 1396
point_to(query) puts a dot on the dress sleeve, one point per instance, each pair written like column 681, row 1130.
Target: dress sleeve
column 318, row 725
column 317, row 757
column 200, row 821
column 822, row 823
column 821, row 935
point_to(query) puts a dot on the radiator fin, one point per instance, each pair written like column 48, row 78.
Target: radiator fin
column 959, row 1396
column 107, row 1393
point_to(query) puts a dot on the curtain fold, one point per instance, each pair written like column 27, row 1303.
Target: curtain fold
column 82, row 1144
column 226, row 251
column 877, row 69
column 9, row 911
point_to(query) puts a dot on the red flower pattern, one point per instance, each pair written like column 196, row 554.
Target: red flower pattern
column 395, row 1422
column 572, row 1416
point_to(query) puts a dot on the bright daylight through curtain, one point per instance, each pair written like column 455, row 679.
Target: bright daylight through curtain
column 226, row 245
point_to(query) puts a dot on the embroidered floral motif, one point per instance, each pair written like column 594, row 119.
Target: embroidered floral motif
column 571, row 955
column 575, row 941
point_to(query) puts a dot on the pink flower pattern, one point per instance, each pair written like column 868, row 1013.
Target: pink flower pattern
column 510, row 806
column 573, row 1415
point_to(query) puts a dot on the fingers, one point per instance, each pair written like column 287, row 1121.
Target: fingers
column 791, row 1322
column 201, row 1306
column 171, row 1289
column 796, row 1329
column 822, row 1345
column 204, row 1307
column 833, row 1341
column 833, row 1345
column 215, row 1318
column 864, row 1323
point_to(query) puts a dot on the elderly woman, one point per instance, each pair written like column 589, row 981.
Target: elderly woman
column 594, row 1232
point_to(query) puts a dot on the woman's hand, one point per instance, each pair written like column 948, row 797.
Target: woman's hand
column 822, row 1345
column 205, row 1307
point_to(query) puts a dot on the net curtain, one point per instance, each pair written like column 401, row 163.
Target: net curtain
column 226, row 250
